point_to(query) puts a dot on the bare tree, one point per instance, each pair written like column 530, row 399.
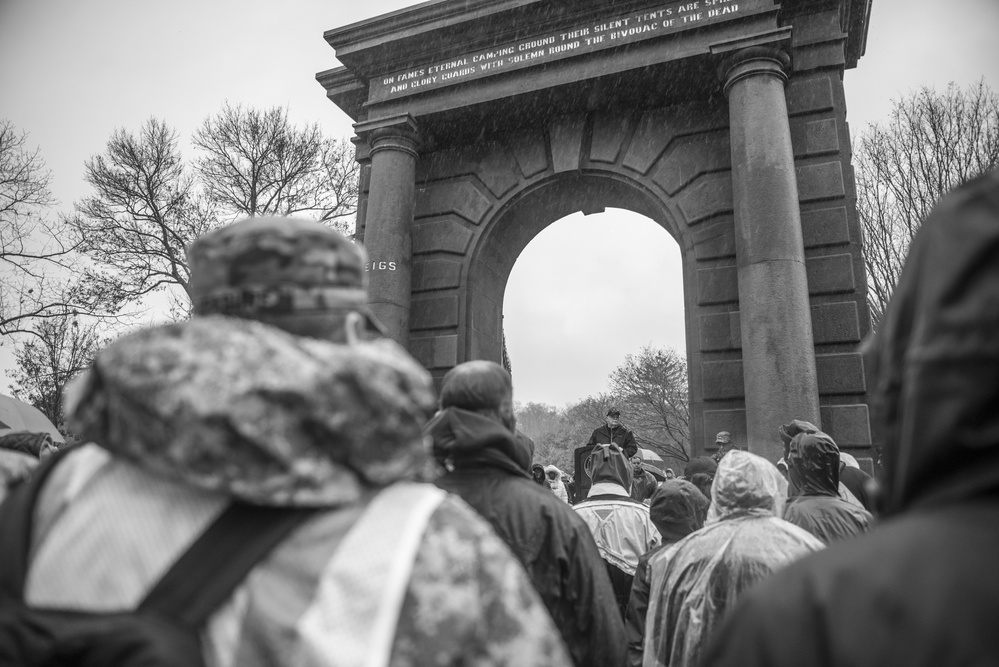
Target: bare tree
column 61, row 349
column 144, row 212
column 257, row 163
column 931, row 143
column 652, row 386
column 40, row 274
column 148, row 206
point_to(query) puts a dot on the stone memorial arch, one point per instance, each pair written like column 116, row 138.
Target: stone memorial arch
column 480, row 122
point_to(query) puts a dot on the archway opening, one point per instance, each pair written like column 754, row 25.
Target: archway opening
column 585, row 293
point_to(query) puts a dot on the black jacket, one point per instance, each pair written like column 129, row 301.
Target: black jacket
column 920, row 589
column 547, row 536
column 621, row 436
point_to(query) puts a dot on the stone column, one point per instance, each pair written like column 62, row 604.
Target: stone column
column 393, row 146
column 778, row 353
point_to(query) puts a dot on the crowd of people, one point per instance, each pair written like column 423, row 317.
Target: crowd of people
column 273, row 482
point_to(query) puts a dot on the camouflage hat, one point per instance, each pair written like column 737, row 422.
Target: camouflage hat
column 723, row 438
column 298, row 275
column 249, row 410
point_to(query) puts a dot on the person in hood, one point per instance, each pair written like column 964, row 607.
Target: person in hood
column 621, row 525
column 278, row 394
column 813, row 468
column 919, row 589
column 553, row 478
column 538, row 474
column 700, row 465
column 473, row 436
column 613, row 431
column 698, row 580
column 678, row 509
column 787, row 433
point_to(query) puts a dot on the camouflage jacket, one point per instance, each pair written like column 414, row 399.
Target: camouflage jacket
column 105, row 530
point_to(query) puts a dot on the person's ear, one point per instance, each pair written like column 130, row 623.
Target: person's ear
column 353, row 327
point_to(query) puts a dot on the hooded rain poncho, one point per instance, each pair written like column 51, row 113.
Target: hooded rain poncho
column 695, row 582
column 813, row 467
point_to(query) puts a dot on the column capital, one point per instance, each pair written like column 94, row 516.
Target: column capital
column 762, row 54
column 399, row 133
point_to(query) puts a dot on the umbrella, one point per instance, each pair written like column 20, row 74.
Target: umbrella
column 649, row 455
column 16, row 415
column 656, row 472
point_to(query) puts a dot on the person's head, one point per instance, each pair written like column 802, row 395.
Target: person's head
column 813, row 464
column 613, row 417
column 669, row 474
column 678, row 508
column 37, row 445
column 700, row 464
column 297, row 275
column 483, row 387
column 538, row 473
column 636, row 464
column 793, row 428
column 607, row 463
column 746, row 485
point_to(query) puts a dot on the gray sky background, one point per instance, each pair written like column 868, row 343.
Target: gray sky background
column 587, row 291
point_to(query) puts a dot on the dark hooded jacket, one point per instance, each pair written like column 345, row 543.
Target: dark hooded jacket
column 920, row 589
column 489, row 470
column 813, row 468
column 678, row 509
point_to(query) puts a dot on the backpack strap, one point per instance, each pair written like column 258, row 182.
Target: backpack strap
column 15, row 526
column 360, row 593
column 220, row 559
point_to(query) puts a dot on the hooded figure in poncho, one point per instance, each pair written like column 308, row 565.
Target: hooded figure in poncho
column 696, row 581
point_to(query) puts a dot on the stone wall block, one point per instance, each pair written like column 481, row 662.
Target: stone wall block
column 530, row 151
column 435, row 274
column 825, row 226
column 720, row 331
column 689, row 157
column 814, row 137
column 566, row 135
column 651, row 138
column 719, row 285
column 443, row 234
column 849, row 425
column 487, row 317
column 442, row 165
column 820, row 181
column 832, row 274
column 460, row 197
column 722, row 380
column 609, row 133
column 496, row 168
column 714, row 240
column 840, row 373
column 836, row 323
column 435, row 351
column 809, row 94
column 709, row 195
column 438, row 312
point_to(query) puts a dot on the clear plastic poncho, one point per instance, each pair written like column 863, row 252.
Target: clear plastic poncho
column 697, row 580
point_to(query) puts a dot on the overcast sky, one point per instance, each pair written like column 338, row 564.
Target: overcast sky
column 586, row 291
